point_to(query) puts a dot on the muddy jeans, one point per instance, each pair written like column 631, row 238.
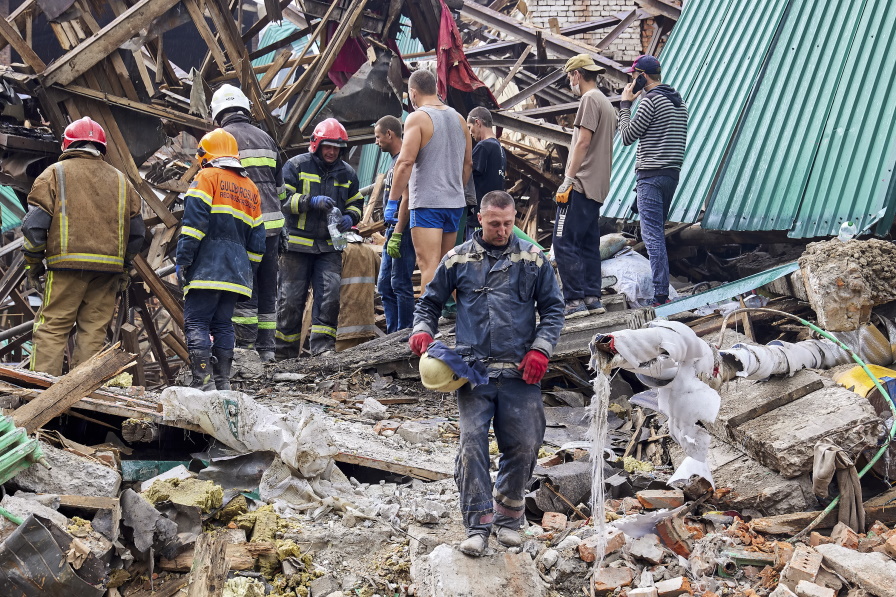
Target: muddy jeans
column 323, row 273
column 654, row 200
column 519, row 424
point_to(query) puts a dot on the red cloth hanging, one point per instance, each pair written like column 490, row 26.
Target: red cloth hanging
column 452, row 68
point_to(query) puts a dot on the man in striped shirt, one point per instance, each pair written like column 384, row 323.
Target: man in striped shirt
column 661, row 127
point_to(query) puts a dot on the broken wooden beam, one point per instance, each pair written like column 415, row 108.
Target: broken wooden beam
column 70, row 388
column 392, row 467
column 210, row 566
column 238, row 556
column 82, row 57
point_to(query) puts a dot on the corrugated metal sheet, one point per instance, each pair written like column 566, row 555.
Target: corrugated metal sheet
column 779, row 137
column 11, row 210
column 712, row 58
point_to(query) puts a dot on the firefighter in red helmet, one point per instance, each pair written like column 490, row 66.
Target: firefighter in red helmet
column 317, row 183
column 83, row 228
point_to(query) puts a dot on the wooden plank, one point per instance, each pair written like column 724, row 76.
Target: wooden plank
column 151, row 109
column 14, row 39
column 206, row 34
column 328, row 57
column 70, row 388
column 392, row 467
column 514, row 69
column 279, row 62
column 376, row 198
column 85, row 55
column 617, row 30
column 131, row 343
column 176, row 346
column 239, row 556
column 21, row 17
column 154, row 342
column 210, row 567
column 158, row 289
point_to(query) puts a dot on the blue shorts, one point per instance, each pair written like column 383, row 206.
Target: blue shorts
column 435, row 217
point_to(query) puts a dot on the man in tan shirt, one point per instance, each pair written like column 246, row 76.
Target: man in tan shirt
column 585, row 186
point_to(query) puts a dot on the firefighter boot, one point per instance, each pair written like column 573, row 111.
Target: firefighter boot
column 221, row 364
column 201, row 367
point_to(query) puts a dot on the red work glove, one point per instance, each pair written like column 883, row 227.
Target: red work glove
column 534, row 365
column 419, row 342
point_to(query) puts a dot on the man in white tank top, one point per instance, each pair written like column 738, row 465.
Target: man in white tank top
column 434, row 165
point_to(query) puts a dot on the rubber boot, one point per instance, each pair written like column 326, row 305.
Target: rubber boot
column 265, row 345
column 221, row 364
column 201, row 367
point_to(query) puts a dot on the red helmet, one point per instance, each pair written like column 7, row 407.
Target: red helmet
column 328, row 131
column 84, row 129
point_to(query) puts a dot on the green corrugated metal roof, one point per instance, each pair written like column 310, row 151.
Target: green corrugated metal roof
column 11, row 210
column 778, row 137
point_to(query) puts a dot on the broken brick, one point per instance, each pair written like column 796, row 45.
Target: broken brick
column 782, row 591
column 609, row 579
column 674, row 587
column 844, row 536
column 554, row 521
column 803, row 565
column 588, row 548
column 783, row 553
column 656, row 499
column 675, row 535
column 643, row 592
column 816, row 539
column 805, row 588
column 890, row 547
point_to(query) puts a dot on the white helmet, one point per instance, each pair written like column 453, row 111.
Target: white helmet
column 228, row 96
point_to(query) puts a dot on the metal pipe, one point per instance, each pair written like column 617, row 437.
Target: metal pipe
column 16, row 331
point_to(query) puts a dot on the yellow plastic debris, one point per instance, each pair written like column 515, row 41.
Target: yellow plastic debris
column 856, row 380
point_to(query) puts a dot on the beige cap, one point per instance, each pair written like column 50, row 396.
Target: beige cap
column 582, row 61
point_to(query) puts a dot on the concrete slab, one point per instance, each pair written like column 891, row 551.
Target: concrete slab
column 874, row 572
column 69, row 475
column 754, row 485
column 743, row 400
column 446, row 572
column 784, row 438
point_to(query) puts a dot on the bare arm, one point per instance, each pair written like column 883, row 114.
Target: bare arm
column 410, row 147
column 468, row 151
column 404, row 213
column 579, row 150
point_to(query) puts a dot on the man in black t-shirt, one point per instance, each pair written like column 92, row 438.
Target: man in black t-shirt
column 489, row 160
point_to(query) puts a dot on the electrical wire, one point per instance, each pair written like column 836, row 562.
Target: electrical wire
column 827, row 335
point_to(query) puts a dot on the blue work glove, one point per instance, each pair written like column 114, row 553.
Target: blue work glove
column 345, row 224
column 390, row 215
column 181, row 275
column 322, row 202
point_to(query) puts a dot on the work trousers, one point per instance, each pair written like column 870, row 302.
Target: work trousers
column 515, row 410
column 654, row 200
column 85, row 300
column 395, row 285
column 208, row 314
column 577, row 247
column 322, row 272
column 255, row 319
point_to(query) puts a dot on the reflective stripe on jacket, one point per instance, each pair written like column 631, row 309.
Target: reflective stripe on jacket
column 498, row 295
column 222, row 235
column 92, row 209
column 306, row 176
column 260, row 156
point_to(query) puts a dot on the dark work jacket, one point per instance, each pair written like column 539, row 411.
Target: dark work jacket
column 222, row 237
column 260, row 156
column 304, row 177
column 498, row 294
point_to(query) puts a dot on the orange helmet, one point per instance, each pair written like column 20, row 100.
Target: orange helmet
column 84, row 129
column 328, row 131
column 217, row 144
